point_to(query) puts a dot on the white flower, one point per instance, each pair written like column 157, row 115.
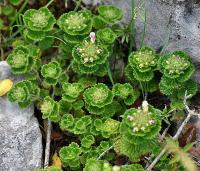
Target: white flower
column 151, row 122
column 135, row 129
column 116, row 168
column 92, row 37
column 145, row 106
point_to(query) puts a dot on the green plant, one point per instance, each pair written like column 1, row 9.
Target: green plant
column 106, row 35
column 142, row 64
column 22, row 59
column 51, row 72
column 138, row 130
column 23, row 93
column 74, row 72
column 69, row 155
column 110, row 14
column 76, row 23
column 38, row 23
column 97, row 98
column 71, row 91
column 50, row 109
column 125, row 92
column 177, row 69
column 89, row 57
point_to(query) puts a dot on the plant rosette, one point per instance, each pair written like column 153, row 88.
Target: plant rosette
column 97, row 165
column 22, row 59
column 67, row 122
column 38, row 22
column 81, row 125
column 76, row 23
column 125, row 92
column 110, row 127
column 177, row 66
column 142, row 123
column 50, row 109
column 87, row 141
column 71, row 91
column 106, row 36
column 23, row 93
column 110, row 14
column 89, row 56
column 142, row 64
column 98, row 96
column 69, row 155
column 51, row 72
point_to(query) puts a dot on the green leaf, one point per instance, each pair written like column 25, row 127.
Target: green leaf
column 23, row 93
column 110, row 14
column 67, row 121
column 51, row 72
column 46, row 43
column 69, row 155
column 87, row 141
column 50, row 109
column 98, row 96
column 15, row 2
column 71, row 91
column 78, row 104
column 106, row 36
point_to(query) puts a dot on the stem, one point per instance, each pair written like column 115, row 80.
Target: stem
column 48, row 142
column 58, row 39
column 19, row 12
column 48, row 138
column 166, row 43
column 132, row 25
column 144, row 29
column 110, row 74
column 49, row 3
column 77, row 5
column 102, row 154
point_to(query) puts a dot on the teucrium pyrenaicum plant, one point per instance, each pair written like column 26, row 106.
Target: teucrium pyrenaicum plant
column 23, row 93
column 110, row 14
column 50, row 109
column 89, row 57
column 23, row 59
column 51, row 72
column 38, row 23
column 66, row 65
column 177, row 69
column 138, row 131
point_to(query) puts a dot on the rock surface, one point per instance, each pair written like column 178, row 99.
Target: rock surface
column 20, row 136
column 171, row 23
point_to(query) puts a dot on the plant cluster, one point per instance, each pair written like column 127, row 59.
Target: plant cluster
column 67, row 66
column 177, row 69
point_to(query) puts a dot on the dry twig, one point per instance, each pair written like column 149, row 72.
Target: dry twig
column 175, row 137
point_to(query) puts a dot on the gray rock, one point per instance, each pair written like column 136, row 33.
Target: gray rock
column 20, row 136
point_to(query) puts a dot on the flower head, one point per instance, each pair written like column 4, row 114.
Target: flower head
column 76, row 23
